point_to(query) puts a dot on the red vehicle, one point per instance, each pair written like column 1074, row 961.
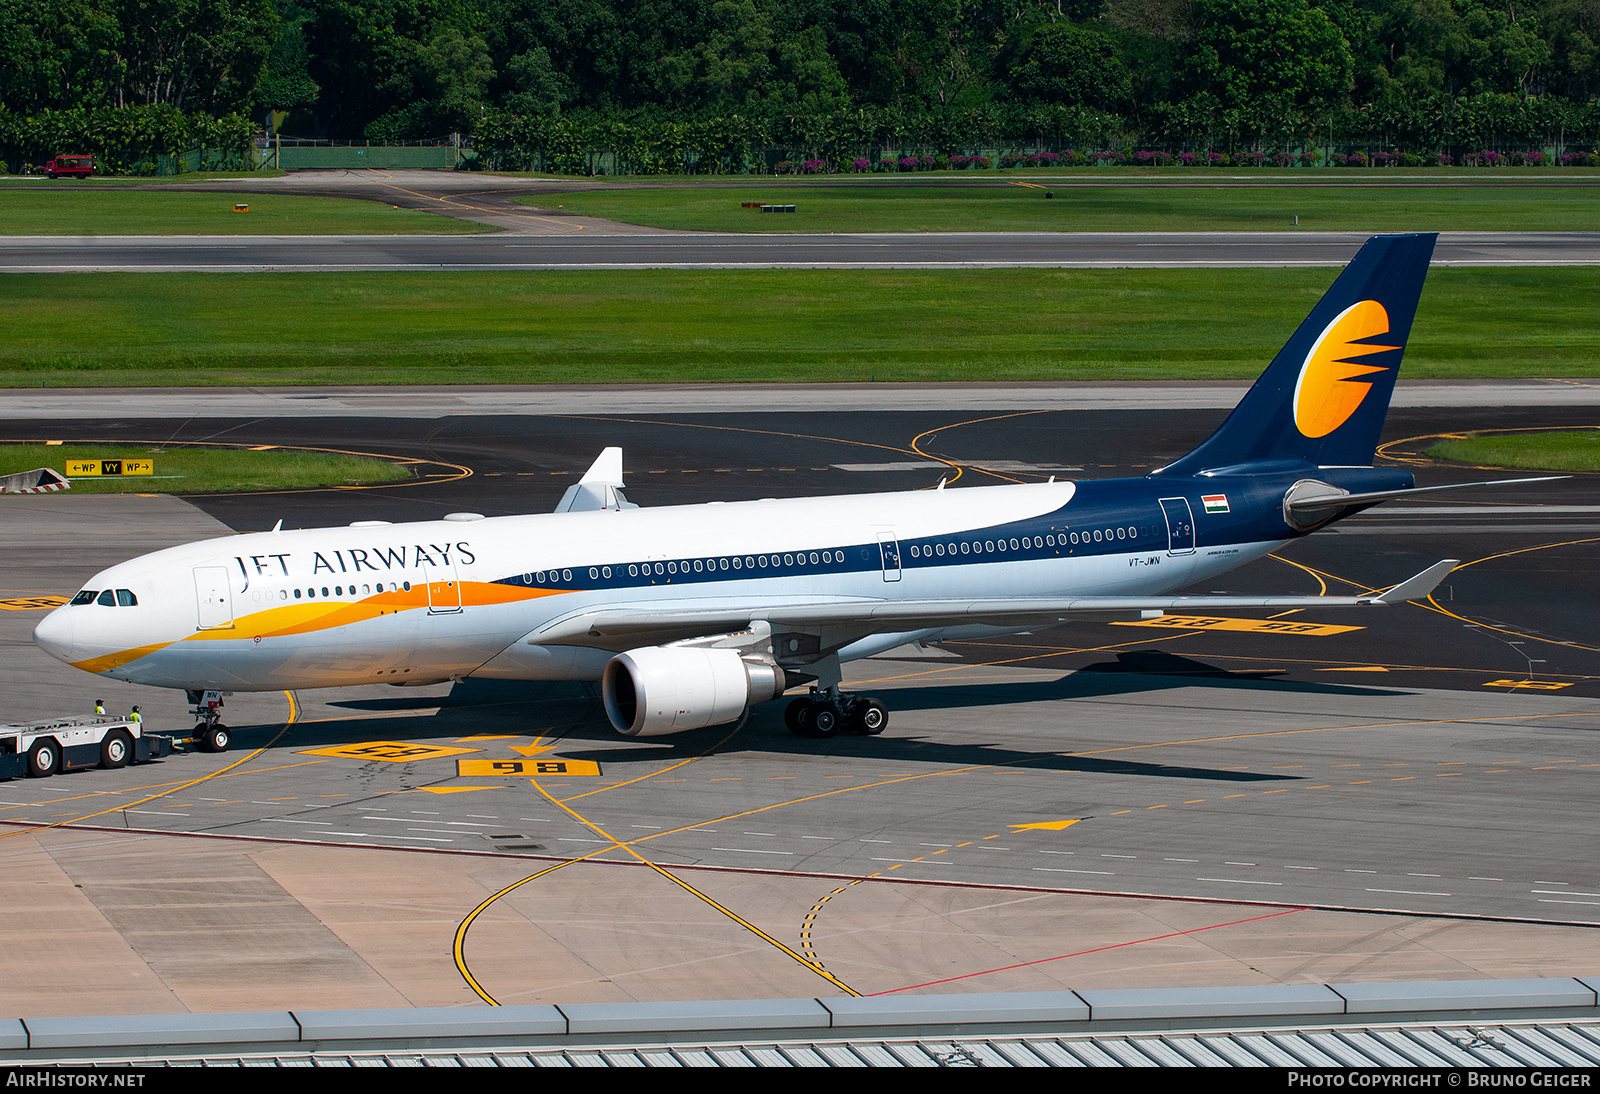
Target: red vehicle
column 72, row 167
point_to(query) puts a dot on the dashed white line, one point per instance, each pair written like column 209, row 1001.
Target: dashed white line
column 1406, row 892
column 1238, row 881
column 752, row 851
column 1055, row 870
column 285, row 820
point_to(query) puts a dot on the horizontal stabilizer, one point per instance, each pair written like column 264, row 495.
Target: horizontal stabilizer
column 1308, row 502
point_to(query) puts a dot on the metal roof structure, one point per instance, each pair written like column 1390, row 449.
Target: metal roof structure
column 1546, row 1023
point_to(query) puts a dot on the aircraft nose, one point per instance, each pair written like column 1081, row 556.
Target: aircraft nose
column 56, row 634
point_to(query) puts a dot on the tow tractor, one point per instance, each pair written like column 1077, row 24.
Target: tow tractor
column 44, row 747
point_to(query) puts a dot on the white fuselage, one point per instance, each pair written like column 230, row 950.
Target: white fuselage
column 430, row 601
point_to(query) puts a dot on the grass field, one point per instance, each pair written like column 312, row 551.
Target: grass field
column 770, row 325
column 201, row 470
column 86, row 212
column 1537, row 451
column 1019, row 207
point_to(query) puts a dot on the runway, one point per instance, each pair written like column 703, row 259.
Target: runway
column 578, row 249
column 1285, row 800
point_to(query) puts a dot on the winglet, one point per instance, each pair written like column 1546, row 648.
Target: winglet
column 605, row 471
column 600, row 487
column 1415, row 588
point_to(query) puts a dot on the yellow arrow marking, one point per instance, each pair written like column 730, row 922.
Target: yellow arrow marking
column 1052, row 826
column 532, row 750
column 453, row 789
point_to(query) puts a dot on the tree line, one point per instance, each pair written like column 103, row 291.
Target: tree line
column 658, row 84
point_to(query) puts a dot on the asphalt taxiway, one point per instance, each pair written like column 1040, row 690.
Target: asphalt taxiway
column 579, row 249
column 1189, row 802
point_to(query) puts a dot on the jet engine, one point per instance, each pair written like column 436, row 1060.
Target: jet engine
column 656, row 690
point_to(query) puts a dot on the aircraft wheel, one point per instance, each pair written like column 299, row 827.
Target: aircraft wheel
column 116, row 749
column 824, row 720
column 43, row 759
column 868, row 717
column 214, row 739
column 796, row 716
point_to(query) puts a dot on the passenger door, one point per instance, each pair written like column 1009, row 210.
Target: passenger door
column 889, row 549
column 213, row 594
column 1180, row 526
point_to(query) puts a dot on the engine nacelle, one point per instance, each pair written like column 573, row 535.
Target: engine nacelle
column 656, row 690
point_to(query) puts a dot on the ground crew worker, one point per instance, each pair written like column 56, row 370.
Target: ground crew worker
column 134, row 717
column 99, row 706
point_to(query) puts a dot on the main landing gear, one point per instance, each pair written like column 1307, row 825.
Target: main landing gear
column 830, row 712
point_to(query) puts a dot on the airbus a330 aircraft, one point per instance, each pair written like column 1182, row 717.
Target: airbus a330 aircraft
column 689, row 615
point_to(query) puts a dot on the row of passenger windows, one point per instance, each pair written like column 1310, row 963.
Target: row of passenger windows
column 337, row 590
column 816, row 558
column 109, row 598
column 990, row 545
column 696, row 566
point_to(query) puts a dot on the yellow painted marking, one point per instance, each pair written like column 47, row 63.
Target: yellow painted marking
column 454, row 789
column 1049, row 826
column 31, row 603
column 1357, row 668
column 1536, row 685
column 532, row 750
column 493, row 737
column 1258, row 626
column 530, row 768
column 389, row 751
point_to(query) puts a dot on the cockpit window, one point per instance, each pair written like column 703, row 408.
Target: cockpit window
column 107, row 599
column 85, row 597
column 126, row 599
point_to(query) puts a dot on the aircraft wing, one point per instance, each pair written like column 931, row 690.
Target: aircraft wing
column 626, row 626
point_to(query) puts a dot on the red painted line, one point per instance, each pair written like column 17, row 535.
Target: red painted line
column 1081, row 953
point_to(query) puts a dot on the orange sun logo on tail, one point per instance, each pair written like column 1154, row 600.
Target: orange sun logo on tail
column 1326, row 394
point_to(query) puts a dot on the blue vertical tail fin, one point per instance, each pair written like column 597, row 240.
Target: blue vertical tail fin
column 1325, row 395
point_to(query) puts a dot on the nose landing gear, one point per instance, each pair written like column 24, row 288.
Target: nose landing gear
column 210, row 735
column 829, row 712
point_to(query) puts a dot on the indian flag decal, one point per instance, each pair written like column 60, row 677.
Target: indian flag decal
column 1215, row 503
